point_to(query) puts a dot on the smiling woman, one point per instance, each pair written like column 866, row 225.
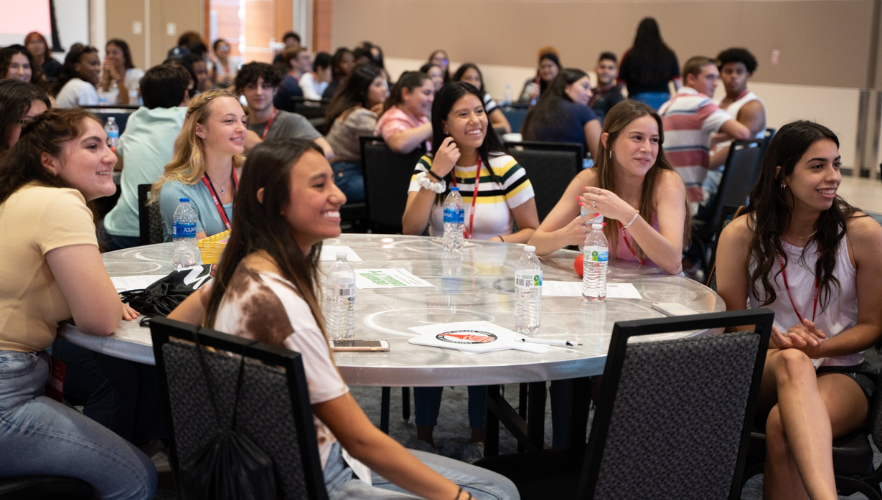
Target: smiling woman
column 206, row 164
column 79, row 76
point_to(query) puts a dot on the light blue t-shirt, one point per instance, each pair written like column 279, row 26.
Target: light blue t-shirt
column 146, row 146
column 208, row 218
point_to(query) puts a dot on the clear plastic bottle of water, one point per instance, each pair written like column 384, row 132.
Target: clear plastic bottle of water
column 112, row 131
column 113, row 93
column 454, row 220
column 184, row 235
column 596, row 252
column 528, row 291
column 506, row 99
column 587, row 210
column 339, row 307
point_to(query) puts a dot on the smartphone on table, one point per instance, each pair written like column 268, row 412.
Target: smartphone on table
column 359, row 345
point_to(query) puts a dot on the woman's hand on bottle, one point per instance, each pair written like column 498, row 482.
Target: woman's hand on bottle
column 607, row 204
column 446, row 157
column 574, row 233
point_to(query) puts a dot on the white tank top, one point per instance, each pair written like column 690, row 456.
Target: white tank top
column 841, row 311
column 735, row 107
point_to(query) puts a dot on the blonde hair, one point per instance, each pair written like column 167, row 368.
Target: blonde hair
column 188, row 162
column 616, row 120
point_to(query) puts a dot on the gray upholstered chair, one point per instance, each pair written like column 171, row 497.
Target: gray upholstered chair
column 273, row 406
column 550, row 166
column 149, row 217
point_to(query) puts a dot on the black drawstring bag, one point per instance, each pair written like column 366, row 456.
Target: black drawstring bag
column 230, row 466
column 164, row 295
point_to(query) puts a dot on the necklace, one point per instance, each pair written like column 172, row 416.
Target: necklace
column 803, row 237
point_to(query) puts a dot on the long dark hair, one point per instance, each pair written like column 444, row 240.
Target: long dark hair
column 650, row 57
column 258, row 225
column 770, row 211
column 124, row 47
column 6, row 59
column 543, row 85
column 616, row 120
column 409, row 80
column 47, row 133
column 460, row 72
column 337, row 62
column 444, row 102
column 353, row 91
column 15, row 101
column 69, row 69
column 447, row 69
column 546, row 112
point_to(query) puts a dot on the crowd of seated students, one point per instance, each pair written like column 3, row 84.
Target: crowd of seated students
column 652, row 171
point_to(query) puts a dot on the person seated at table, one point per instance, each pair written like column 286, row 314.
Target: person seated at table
column 607, row 94
column 206, row 164
column 266, row 290
column 470, row 73
column 341, row 65
column 805, row 253
column 17, row 63
column 198, row 68
column 404, row 124
column 313, row 83
column 223, row 71
column 258, row 83
column 79, row 76
column 289, row 39
column 563, row 115
column 435, row 73
column 353, row 113
column 146, row 146
column 297, row 63
column 52, row 271
column 468, row 150
column 631, row 175
column 39, row 50
column 119, row 68
column 439, row 58
column 20, row 103
column 549, row 67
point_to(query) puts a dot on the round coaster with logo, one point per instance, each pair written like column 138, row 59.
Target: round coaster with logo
column 467, row 337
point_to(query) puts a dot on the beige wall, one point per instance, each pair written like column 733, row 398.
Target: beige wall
column 822, row 42
column 154, row 16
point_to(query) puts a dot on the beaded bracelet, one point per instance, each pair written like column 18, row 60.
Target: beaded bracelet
column 626, row 226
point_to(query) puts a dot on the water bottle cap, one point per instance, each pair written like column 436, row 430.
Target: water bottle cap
column 342, row 254
column 454, row 188
column 185, row 200
column 529, row 248
column 110, row 119
column 596, row 226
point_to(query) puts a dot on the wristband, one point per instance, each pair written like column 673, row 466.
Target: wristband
column 433, row 174
column 626, row 226
column 426, row 183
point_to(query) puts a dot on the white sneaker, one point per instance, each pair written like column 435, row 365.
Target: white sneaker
column 160, row 461
column 473, row 452
column 425, row 446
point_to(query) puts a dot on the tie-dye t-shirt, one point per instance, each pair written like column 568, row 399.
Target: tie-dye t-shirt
column 266, row 307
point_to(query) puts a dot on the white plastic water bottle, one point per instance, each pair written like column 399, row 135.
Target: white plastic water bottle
column 596, row 258
column 586, row 210
column 184, row 235
column 528, row 291
column 113, row 93
column 339, row 307
column 506, row 99
column 112, row 131
column 454, row 220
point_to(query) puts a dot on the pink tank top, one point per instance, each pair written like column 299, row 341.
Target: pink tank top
column 623, row 251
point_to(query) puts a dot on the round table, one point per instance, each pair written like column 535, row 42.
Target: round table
column 479, row 287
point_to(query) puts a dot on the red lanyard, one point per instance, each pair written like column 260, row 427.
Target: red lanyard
column 790, row 296
column 630, row 246
column 268, row 125
column 220, row 208
column 467, row 231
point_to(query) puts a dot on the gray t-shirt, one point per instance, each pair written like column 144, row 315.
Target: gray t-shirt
column 287, row 125
column 208, row 218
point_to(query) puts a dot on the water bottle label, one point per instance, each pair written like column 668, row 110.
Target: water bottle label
column 529, row 280
column 345, row 290
column 113, row 134
column 183, row 230
column 597, row 254
column 453, row 216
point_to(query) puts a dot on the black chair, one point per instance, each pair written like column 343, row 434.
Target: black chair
column 729, row 213
column 149, row 217
column 314, row 111
column 515, row 114
column 550, row 166
column 39, row 487
column 742, row 169
column 852, row 455
column 119, row 113
column 387, row 177
column 273, row 409
column 672, row 420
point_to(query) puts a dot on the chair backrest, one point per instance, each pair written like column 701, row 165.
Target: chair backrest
column 149, row 217
column 273, row 409
column 742, row 169
column 674, row 416
column 515, row 114
column 550, row 166
column 727, row 215
column 120, row 113
column 387, row 177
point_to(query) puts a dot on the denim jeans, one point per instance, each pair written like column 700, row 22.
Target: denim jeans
column 348, row 177
column 652, row 99
column 427, row 404
column 41, row 436
column 481, row 483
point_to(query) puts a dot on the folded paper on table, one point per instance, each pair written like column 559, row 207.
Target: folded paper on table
column 126, row 283
column 472, row 336
column 574, row 289
column 388, row 278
